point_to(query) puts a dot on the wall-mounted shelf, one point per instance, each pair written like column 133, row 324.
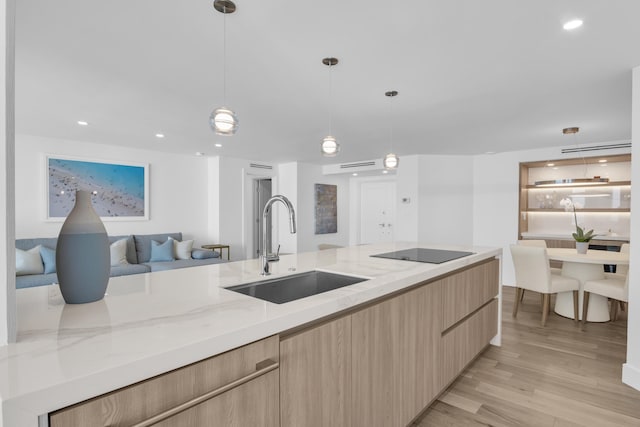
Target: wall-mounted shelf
column 580, row 210
column 605, row 207
column 608, row 184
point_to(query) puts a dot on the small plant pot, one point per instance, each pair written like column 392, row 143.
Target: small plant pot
column 582, row 247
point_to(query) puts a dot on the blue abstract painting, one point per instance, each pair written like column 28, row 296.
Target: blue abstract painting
column 119, row 190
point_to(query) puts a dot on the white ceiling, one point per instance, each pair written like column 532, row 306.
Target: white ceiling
column 473, row 76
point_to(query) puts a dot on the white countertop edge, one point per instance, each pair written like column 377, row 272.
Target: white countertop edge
column 21, row 408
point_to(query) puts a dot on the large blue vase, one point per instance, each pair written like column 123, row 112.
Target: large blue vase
column 83, row 257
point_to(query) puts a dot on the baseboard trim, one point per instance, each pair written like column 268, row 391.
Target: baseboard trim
column 631, row 375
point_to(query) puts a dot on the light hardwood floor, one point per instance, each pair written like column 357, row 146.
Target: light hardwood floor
column 556, row 376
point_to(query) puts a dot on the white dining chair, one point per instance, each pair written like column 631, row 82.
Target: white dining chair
column 534, row 274
column 539, row 244
column 611, row 287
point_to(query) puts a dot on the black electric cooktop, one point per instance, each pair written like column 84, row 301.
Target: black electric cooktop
column 431, row 256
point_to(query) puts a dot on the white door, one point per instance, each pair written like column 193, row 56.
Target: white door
column 377, row 211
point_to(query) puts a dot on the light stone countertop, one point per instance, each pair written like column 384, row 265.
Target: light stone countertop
column 149, row 324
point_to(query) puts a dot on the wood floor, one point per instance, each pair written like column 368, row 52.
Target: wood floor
column 554, row 376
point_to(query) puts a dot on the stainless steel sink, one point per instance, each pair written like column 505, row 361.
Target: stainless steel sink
column 290, row 288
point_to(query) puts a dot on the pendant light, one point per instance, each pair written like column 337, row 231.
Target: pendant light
column 329, row 146
column 391, row 160
column 223, row 120
column 569, row 182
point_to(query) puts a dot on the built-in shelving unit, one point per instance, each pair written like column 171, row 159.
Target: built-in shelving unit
column 548, row 210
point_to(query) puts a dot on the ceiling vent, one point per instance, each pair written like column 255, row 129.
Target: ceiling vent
column 259, row 166
column 596, row 148
column 353, row 167
column 357, row 165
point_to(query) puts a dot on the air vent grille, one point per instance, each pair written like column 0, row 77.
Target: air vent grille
column 259, row 166
column 596, row 148
column 357, row 165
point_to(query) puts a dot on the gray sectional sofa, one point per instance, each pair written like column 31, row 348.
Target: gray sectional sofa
column 138, row 257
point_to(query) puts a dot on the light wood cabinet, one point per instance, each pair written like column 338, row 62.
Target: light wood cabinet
column 461, row 344
column 220, row 386
column 395, row 358
column 465, row 292
column 315, row 376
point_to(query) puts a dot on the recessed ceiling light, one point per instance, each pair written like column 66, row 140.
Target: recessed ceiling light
column 354, row 174
column 83, row 123
column 573, row 24
column 159, row 135
column 218, row 145
column 602, row 161
column 385, row 171
column 551, row 164
column 199, row 153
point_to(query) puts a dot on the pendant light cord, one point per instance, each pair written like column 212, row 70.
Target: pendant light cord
column 224, row 57
column 584, row 161
column 391, row 122
column 330, row 100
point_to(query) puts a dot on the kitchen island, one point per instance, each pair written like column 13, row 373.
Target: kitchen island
column 154, row 323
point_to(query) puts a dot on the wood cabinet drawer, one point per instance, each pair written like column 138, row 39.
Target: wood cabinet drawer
column 252, row 404
column 143, row 400
column 466, row 291
column 461, row 344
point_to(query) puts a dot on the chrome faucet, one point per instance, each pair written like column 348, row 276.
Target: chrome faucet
column 266, row 258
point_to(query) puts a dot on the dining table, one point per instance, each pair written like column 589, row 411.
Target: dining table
column 583, row 267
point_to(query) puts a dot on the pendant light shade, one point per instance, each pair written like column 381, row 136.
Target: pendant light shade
column 223, row 120
column 329, row 147
column 391, row 161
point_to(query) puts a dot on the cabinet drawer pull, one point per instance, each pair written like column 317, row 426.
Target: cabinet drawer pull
column 262, row 368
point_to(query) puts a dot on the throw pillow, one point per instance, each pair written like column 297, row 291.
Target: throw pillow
column 29, row 262
column 161, row 251
column 182, row 250
column 204, row 254
column 49, row 258
column 119, row 252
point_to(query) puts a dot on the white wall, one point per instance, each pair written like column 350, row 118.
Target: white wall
column 439, row 190
column 178, row 188
column 495, row 198
column 7, row 229
column 407, row 187
column 631, row 369
column 445, row 199
column 288, row 187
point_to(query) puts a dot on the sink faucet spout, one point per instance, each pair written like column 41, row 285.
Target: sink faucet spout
column 265, row 257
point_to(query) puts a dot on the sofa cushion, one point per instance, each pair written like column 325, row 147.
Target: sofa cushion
column 182, row 250
column 25, row 244
column 143, row 243
column 32, row 280
column 181, row 263
column 161, row 251
column 48, row 256
column 118, row 250
column 132, row 257
column 126, row 269
column 29, row 261
column 204, row 254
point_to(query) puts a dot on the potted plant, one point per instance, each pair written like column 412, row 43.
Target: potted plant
column 582, row 239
